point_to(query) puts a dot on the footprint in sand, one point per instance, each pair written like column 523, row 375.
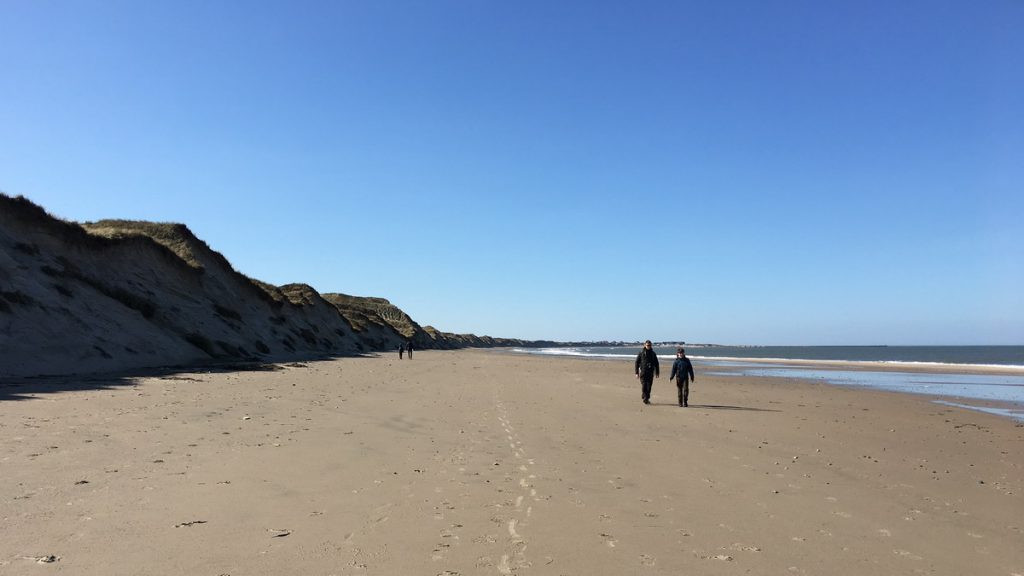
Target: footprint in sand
column 50, row 559
column 647, row 560
column 609, row 540
column 906, row 554
column 438, row 552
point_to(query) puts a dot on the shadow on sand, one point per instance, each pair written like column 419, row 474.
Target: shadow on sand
column 717, row 407
column 28, row 388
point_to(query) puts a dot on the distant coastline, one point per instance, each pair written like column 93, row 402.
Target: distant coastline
column 114, row 295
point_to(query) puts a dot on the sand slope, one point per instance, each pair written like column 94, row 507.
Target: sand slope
column 476, row 462
column 118, row 294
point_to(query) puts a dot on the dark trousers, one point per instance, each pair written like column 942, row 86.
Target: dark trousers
column 683, row 384
column 646, row 381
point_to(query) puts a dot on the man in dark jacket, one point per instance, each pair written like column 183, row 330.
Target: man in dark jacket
column 647, row 370
column 682, row 373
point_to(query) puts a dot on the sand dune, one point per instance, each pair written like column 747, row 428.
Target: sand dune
column 117, row 294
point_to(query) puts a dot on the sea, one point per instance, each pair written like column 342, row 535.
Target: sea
column 984, row 378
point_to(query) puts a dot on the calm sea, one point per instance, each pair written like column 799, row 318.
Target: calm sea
column 883, row 368
column 977, row 355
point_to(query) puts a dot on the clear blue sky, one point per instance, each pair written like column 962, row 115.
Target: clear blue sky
column 741, row 172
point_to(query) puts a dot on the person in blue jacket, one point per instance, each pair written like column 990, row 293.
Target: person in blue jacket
column 682, row 373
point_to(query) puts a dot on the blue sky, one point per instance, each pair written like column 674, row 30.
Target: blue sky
column 792, row 172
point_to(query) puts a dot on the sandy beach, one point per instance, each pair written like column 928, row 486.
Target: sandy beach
column 487, row 462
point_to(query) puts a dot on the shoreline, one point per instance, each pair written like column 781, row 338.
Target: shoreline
column 484, row 462
column 886, row 376
column 882, row 365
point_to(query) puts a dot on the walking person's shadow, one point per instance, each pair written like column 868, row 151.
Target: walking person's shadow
column 717, row 407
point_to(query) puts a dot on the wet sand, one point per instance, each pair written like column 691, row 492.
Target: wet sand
column 485, row 462
column 913, row 367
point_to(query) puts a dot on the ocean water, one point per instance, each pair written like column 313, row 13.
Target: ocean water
column 938, row 355
column 880, row 367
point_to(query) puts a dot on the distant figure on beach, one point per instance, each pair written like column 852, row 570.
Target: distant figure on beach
column 401, row 350
column 408, row 348
column 647, row 370
column 682, row 373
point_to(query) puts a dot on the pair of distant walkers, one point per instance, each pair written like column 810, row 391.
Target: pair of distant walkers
column 647, row 369
column 403, row 348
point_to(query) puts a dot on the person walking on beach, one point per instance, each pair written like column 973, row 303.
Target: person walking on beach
column 408, row 348
column 682, row 373
column 646, row 370
column 401, row 350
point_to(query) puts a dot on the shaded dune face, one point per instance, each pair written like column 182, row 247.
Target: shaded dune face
column 119, row 294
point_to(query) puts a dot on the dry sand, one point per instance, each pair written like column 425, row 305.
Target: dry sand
column 477, row 462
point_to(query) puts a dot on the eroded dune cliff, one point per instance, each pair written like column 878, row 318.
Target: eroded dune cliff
column 115, row 294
